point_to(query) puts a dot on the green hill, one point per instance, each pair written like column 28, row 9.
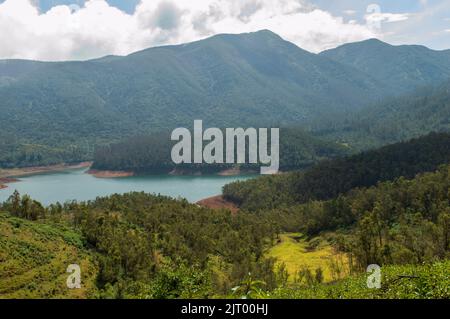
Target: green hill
column 331, row 178
column 403, row 68
column 392, row 120
column 34, row 258
column 54, row 112
column 145, row 246
column 152, row 154
column 246, row 79
column 397, row 282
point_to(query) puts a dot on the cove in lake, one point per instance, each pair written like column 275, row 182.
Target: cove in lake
column 75, row 184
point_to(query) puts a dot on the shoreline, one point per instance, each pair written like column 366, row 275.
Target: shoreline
column 109, row 174
column 234, row 171
column 11, row 175
column 175, row 172
column 218, row 202
column 231, row 172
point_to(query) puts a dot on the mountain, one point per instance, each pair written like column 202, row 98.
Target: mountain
column 57, row 111
column 402, row 68
column 394, row 119
column 247, row 79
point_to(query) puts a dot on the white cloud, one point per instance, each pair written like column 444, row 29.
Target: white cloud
column 387, row 17
column 350, row 12
column 98, row 29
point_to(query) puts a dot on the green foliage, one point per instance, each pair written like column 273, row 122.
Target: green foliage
column 329, row 179
column 250, row 289
column 19, row 152
column 53, row 112
column 34, row 257
column 428, row 281
column 392, row 120
column 402, row 68
column 152, row 154
column 150, row 246
column 399, row 222
column 144, row 246
column 299, row 257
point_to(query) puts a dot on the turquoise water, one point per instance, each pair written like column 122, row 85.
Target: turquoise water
column 77, row 185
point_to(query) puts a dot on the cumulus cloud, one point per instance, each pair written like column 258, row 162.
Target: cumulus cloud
column 387, row 17
column 349, row 12
column 97, row 29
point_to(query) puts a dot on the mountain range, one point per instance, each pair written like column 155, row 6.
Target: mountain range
column 253, row 79
column 402, row 68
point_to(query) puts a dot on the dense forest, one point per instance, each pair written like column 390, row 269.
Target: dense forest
column 58, row 112
column 18, row 152
column 391, row 120
column 401, row 67
column 404, row 221
column 151, row 154
column 146, row 246
column 332, row 178
column 226, row 80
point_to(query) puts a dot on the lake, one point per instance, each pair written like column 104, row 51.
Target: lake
column 75, row 184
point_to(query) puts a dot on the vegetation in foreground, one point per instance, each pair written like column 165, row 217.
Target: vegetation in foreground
column 146, row 246
column 34, row 257
column 301, row 256
column 426, row 281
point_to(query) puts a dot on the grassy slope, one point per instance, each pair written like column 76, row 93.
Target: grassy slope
column 293, row 250
column 34, row 258
column 430, row 281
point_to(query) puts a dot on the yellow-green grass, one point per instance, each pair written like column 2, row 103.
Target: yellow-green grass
column 34, row 258
column 293, row 250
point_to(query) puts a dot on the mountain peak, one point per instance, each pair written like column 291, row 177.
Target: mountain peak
column 374, row 41
column 401, row 66
column 266, row 32
column 369, row 44
column 261, row 34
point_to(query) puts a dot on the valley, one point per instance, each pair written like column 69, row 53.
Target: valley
column 364, row 176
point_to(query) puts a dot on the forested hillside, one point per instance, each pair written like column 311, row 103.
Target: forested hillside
column 404, row 221
column 152, row 154
column 55, row 112
column 34, row 257
column 144, row 246
column 403, row 67
column 227, row 80
column 392, row 120
column 331, row 178
column 427, row 281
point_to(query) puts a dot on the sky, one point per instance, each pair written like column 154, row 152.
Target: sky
column 57, row 30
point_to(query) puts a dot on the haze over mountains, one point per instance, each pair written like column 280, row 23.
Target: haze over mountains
column 254, row 79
